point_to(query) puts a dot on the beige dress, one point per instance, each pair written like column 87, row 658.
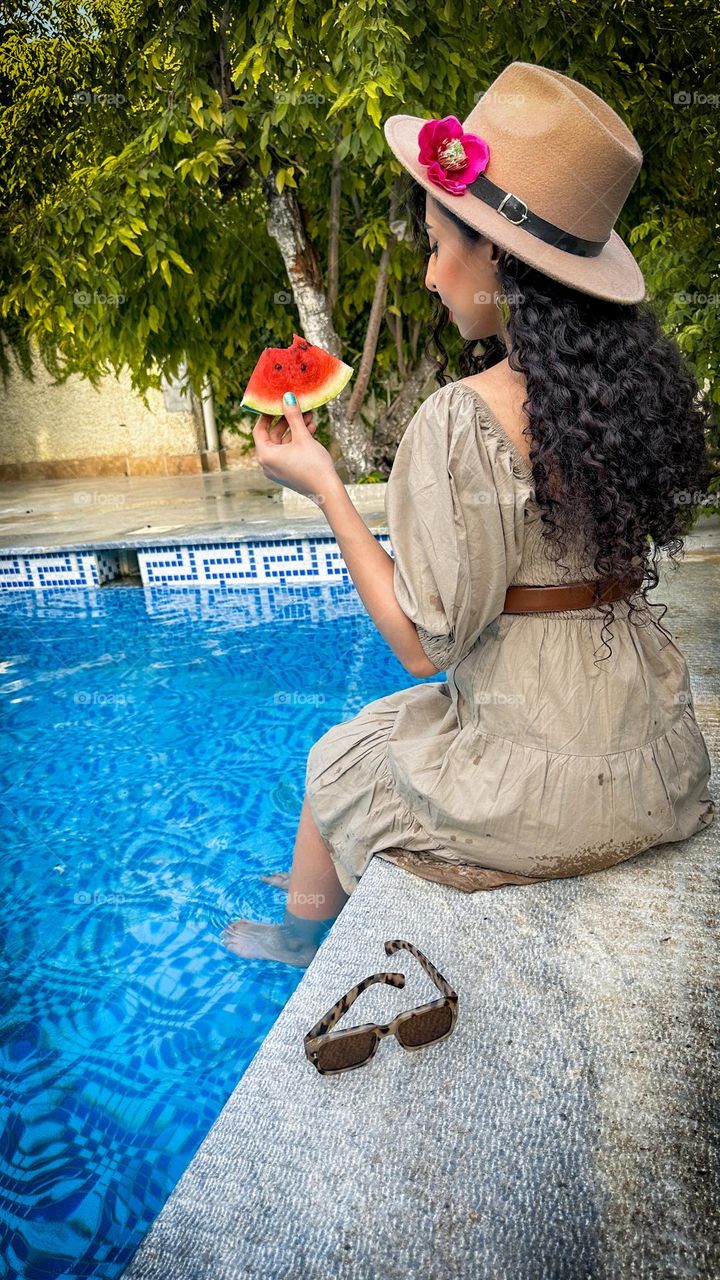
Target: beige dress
column 530, row 761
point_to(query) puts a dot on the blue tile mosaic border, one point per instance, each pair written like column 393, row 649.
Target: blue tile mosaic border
column 61, row 569
column 221, row 565
column 108, row 563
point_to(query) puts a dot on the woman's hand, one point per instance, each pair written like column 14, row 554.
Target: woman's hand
column 300, row 462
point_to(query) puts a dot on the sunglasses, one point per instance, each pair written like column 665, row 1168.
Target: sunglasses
column 333, row 1051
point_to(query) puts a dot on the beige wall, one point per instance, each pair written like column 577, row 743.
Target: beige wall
column 73, row 429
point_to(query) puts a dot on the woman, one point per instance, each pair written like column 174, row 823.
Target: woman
column 527, row 506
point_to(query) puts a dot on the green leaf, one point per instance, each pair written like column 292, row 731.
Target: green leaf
column 179, row 262
column 290, row 18
column 240, row 67
column 344, row 146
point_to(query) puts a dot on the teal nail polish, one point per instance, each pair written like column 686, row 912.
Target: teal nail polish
column 290, row 397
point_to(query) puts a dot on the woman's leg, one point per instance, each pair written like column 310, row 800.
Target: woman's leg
column 315, row 898
column 314, row 892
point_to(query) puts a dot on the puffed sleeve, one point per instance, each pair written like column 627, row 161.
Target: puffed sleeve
column 455, row 517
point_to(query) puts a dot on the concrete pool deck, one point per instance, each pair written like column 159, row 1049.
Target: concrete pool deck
column 131, row 511
column 568, row 1127
column 140, row 511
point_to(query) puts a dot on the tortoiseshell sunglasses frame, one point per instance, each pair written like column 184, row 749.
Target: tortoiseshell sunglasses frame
column 320, row 1034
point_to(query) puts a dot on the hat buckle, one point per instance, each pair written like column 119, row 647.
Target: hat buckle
column 501, row 209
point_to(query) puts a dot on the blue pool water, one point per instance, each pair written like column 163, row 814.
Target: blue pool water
column 154, row 748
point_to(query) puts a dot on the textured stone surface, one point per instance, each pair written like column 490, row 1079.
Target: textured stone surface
column 140, row 511
column 568, row 1127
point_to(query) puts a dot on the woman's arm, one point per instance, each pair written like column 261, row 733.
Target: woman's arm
column 372, row 570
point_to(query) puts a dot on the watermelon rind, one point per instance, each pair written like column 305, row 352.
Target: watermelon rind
column 314, row 399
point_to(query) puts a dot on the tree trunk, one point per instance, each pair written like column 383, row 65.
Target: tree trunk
column 371, row 336
column 377, row 311
column 285, row 225
column 389, row 427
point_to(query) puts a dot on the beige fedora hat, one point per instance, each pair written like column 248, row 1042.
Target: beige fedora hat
column 542, row 166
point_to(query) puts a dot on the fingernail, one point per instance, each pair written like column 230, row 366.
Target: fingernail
column 290, row 397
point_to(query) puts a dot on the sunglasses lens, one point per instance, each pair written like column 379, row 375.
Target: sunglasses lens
column 346, row 1051
column 425, row 1027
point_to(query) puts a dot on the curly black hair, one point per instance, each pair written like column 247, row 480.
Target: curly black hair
column 616, row 418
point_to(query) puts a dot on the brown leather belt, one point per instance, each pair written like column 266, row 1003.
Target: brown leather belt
column 576, row 595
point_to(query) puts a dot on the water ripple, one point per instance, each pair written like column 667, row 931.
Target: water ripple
column 152, row 768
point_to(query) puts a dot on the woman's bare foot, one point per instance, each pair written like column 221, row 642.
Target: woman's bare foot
column 278, row 879
column 254, row 940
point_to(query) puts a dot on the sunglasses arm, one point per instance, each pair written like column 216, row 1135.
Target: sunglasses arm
column 398, row 944
column 334, row 1014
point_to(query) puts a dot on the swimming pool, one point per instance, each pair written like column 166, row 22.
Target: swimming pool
column 152, row 766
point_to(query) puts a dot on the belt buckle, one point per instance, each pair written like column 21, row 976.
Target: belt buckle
column 515, row 221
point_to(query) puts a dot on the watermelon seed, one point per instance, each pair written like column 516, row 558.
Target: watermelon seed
column 303, row 368
column 278, row 366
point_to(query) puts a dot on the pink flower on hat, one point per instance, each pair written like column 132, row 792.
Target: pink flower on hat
column 454, row 159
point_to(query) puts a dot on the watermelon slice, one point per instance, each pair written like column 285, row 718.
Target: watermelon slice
column 311, row 372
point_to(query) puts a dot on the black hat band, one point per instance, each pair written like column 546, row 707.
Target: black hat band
column 508, row 205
